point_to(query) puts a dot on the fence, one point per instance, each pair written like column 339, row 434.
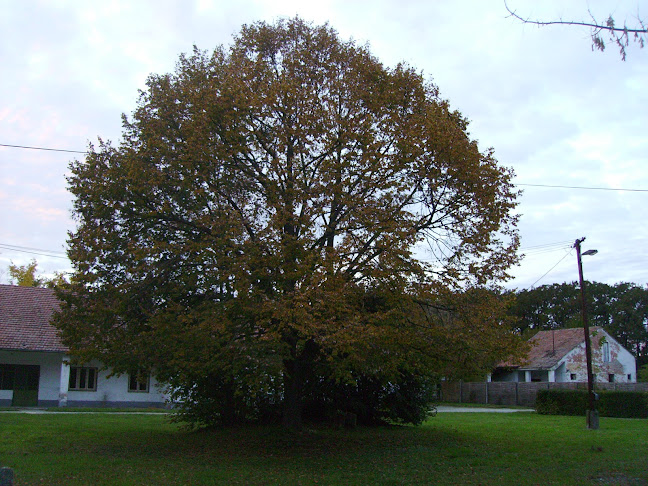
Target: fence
column 518, row 394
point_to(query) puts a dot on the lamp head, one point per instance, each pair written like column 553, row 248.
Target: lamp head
column 590, row 252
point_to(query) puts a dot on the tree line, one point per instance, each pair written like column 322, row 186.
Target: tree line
column 621, row 309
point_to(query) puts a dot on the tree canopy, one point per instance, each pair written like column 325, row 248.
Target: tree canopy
column 26, row 276
column 621, row 309
column 280, row 215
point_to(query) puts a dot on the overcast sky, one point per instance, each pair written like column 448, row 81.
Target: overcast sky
column 553, row 110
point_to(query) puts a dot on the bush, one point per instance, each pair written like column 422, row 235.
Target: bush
column 574, row 402
column 561, row 402
column 624, row 404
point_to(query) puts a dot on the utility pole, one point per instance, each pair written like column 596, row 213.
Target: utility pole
column 591, row 414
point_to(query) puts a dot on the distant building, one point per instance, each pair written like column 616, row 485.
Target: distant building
column 34, row 364
column 559, row 356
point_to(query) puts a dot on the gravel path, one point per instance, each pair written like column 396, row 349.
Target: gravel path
column 446, row 408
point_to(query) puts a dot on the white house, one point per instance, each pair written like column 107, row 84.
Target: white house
column 559, row 356
column 34, row 364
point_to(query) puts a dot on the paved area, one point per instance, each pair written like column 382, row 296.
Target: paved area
column 440, row 409
column 446, row 408
column 37, row 411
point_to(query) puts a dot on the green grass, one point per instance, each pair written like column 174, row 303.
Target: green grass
column 450, row 449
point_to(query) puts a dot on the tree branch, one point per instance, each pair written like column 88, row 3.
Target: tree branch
column 619, row 35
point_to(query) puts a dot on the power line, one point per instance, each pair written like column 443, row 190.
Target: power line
column 584, row 188
column 42, row 148
column 546, row 245
column 547, row 272
column 546, row 248
column 550, row 186
column 34, row 251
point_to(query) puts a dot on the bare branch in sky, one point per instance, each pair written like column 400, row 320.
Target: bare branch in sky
column 618, row 35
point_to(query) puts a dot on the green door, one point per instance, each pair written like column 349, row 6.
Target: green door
column 26, row 386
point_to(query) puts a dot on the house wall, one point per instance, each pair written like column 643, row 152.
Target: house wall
column 111, row 392
column 50, row 372
column 510, row 376
column 620, row 363
column 561, row 375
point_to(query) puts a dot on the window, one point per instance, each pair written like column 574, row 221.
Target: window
column 572, row 376
column 630, row 377
column 83, row 379
column 138, row 382
column 605, row 349
column 611, row 378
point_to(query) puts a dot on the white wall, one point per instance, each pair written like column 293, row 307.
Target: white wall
column 50, row 371
column 621, row 362
column 111, row 392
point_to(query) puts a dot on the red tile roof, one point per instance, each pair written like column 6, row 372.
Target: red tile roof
column 24, row 319
column 549, row 347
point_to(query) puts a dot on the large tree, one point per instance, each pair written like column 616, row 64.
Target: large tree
column 263, row 221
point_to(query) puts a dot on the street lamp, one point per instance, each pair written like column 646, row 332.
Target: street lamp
column 591, row 415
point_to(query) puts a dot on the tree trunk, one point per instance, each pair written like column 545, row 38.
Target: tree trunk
column 292, row 406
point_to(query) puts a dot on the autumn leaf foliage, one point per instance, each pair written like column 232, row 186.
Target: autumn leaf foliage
column 273, row 214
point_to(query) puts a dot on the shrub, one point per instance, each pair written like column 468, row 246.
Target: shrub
column 624, row 404
column 574, row 402
column 561, row 402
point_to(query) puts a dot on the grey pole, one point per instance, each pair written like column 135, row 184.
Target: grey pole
column 591, row 414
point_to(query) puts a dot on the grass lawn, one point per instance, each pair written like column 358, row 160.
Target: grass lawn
column 449, row 449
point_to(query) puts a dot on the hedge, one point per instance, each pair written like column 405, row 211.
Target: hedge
column 623, row 404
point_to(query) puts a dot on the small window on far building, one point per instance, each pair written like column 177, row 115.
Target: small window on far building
column 572, row 376
column 138, row 382
column 605, row 349
column 83, row 379
column 630, row 377
column 611, row 378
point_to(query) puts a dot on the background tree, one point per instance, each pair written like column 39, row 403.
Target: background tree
column 620, row 36
column 255, row 232
column 642, row 373
column 621, row 309
column 25, row 275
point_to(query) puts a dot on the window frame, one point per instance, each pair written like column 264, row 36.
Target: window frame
column 76, row 374
column 605, row 351
column 134, row 378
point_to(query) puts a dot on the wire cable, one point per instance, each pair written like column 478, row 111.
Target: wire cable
column 584, row 188
column 34, row 251
column 547, row 272
column 42, row 148
column 549, row 186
